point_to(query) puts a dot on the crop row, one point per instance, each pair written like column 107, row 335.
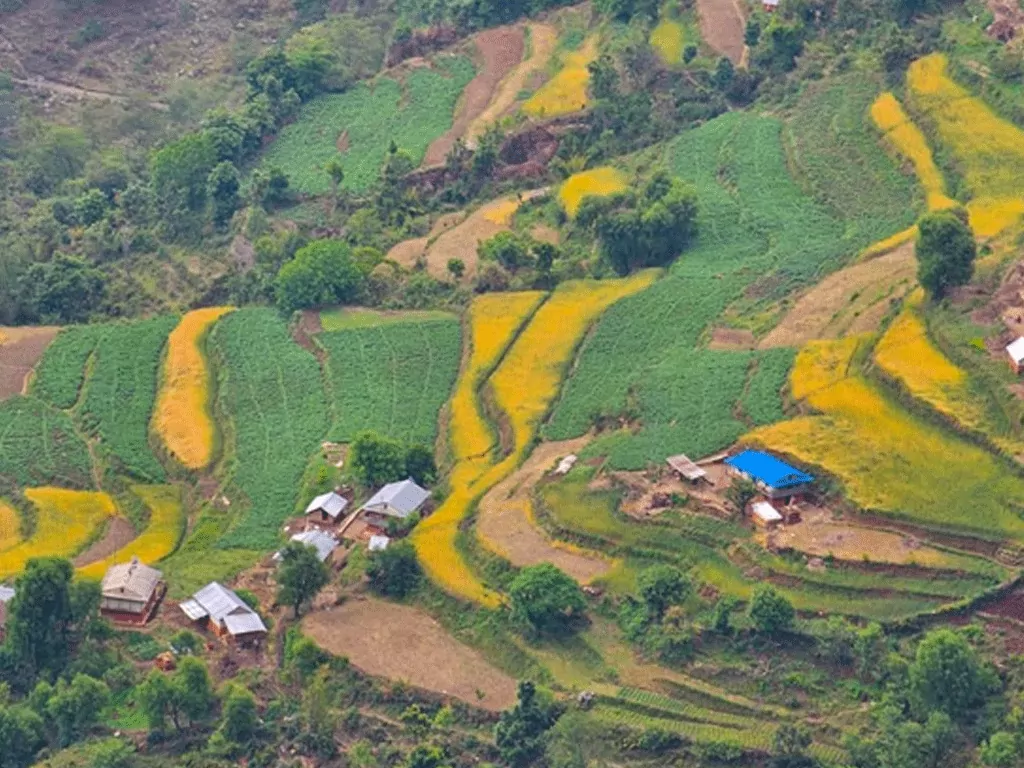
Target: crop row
column 757, row 739
column 39, row 444
column 393, row 379
column 687, row 710
column 272, row 395
column 60, row 374
column 761, row 403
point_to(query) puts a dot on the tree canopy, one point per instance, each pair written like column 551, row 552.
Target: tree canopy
column 945, row 251
column 545, row 598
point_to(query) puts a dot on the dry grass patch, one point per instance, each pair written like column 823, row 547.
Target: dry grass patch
column 597, row 182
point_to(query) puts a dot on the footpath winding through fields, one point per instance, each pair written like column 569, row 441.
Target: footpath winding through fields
column 722, row 25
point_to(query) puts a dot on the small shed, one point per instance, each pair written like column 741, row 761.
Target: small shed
column 566, row 464
column 225, row 613
column 131, row 591
column 765, row 515
column 6, row 595
column 378, row 543
column 685, row 468
column 770, row 5
column 774, row 478
column 323, row 542
column 330, row 506
column 395, row 500
column 1016, row 353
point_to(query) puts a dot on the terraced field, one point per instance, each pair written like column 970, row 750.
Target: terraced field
column 567, row 91
column 39, row 444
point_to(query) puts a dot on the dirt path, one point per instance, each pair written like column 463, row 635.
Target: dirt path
column 850, row 301
column 499, row 50
column 403, row 643
column 20, row 350
column 505, row 518
column 722, row 25
column 119, row 533
column 38, row 83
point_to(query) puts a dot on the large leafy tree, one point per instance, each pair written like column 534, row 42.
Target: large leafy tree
column 301, row 576
column 179, row 172
column 945, row 252
column 770, row 612
column 545, row 598
column 394, row 572
column 946, row 675
column 520, row 731
column 662, row 586
column 378, row 459
column 321, row 273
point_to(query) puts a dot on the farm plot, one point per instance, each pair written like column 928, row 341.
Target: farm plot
column 566, row 92
column 668, row 39
column 722, row 25
column 761, row 403
column 20, row 350
column 597, row 182
column 39, row 444
column 182, row 417
column 887, row 459
column 162, row 533
column 393, row 379
column 61, row 373
column 10, row 526
column 273, row 396
column 118, row 399
column 65, row 520
column 412, row 113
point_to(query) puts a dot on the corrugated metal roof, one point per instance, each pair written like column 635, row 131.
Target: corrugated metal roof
column 133, row 580
column 378, row 543
column 322, row 542
column 219, row 601
column 1016, row 350
column 766, row 512
column 244, row 624
column 193, row 610
column 6, row 594
column 331, row 503
column 398, row 499
column 768, row 469
column 685, row 467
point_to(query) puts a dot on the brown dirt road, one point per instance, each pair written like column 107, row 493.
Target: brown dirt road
column 119, row 534
column 505, row 524
column 500, row 50
column 722, row 25
column 403, row 643
column 20, row 350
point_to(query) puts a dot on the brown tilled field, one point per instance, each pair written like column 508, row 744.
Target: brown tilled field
column 722, row 25
column 20, row 350
column 400, row 642
column 119, row 534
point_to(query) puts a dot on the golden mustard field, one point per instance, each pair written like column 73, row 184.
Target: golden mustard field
column 668, row 39
column 597, row 182
column 10, row 526
column 65, row 520
column 166, row 523
column 889, row 460
column 182, row 416
column 566, row 92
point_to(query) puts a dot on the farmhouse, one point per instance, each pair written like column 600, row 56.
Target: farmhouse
column 394, row 500
column 217, row 607
column 773, row 478
column 686, row 469
column 6, row 595
column 131, row 591
column 330, row 506
column 323, row 542
column 765, row 515
column 1016, row 353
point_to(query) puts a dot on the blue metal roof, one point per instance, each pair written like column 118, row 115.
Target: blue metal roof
column 768, row 469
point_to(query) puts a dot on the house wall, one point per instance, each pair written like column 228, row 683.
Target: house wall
column 120, row 605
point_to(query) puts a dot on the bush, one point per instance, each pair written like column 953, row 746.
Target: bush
column 770, row 612
column 546, row 599
column 394, row 572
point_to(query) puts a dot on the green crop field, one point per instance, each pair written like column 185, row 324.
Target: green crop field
column 761, row 403
column 759, row 232
column 393, row 379
column 272, row 396
column 411, row 114
column 60, row 374
column 121, row 390
column 39, row 446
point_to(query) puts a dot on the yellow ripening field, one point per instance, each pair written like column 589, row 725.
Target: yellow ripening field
column 182, row 416
column 988, row 149
column 910, row 142
column 889, row 460
column 597, row 182
column 166, row 523
column 10, row 526
column 566, row 92
column 668, row 40
column 65, row 520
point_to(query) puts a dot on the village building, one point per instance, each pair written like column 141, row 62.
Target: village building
column 378, row 543
column 395, row 501
column 324, row 544
column 770, row 6
column 686, row 469
column 775, row 479
column 225, row 614
column 6, row 595
column 329, row 506
column 130, row 592
column 765, row 515
column 1016, row 353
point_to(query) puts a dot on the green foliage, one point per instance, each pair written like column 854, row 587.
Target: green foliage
column 377, row 459
column 770, row 612
column 946, row 674
column 74, row 708
column 185, row 697
column 121, row 391
column 272, row 395
column 66, row 289
column 520, row 731
column 222, row 187
column 545, row 598
column 39, row 446
column 179, row 172
column 1000, row 751
column 392, row 379
column 411, row 114
column 322, row 273
column 762, row 402
column 945, row 250
column 59, row 375
column 300, row 576
column 21, row 736
column 395, row 571
column 241, row 719
column 662, row 586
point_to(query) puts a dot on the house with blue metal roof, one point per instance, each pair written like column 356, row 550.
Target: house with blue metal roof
column 773, row 477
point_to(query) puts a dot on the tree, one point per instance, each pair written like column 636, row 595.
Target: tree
column 689, row 53
column 180, row 170
column 321, row 273
column 604, row 78
column 722, row 615
column 21, row 736
column 456, row 268
column 508, row 249
column 662, row 586
column 395, row 571
column 40, row 620
column 66, row 289
column 791, row 740
column 945, row 251
column 300, row 576
column 193, row 691
column 222, row 187
column 426, row 756
column 378, row 459
column 770, row 612
column 420, row 464
column 739, row 493
column 155, row 697
column 545, row 598
column 837, row 639
column 752, row 33
column 76, row 707
column 1000, row 751
column 519, row 734
column 241, row 719
column 724, row 73
column 945, row 674
column 336, row 171
column 869, row 648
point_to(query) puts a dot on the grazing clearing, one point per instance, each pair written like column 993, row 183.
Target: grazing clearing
column 402, row 643
column 183, row 419
column 566, row 92
column 597, row 182
column 20, row 349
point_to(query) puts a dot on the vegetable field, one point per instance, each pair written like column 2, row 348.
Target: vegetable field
column 393, row 379
column 182, row 417
column 273, row 397
column 61, row 373
column 761, row 403
column 597, row 182
column 412, row 113
column 39, row 444
column 121, row 391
